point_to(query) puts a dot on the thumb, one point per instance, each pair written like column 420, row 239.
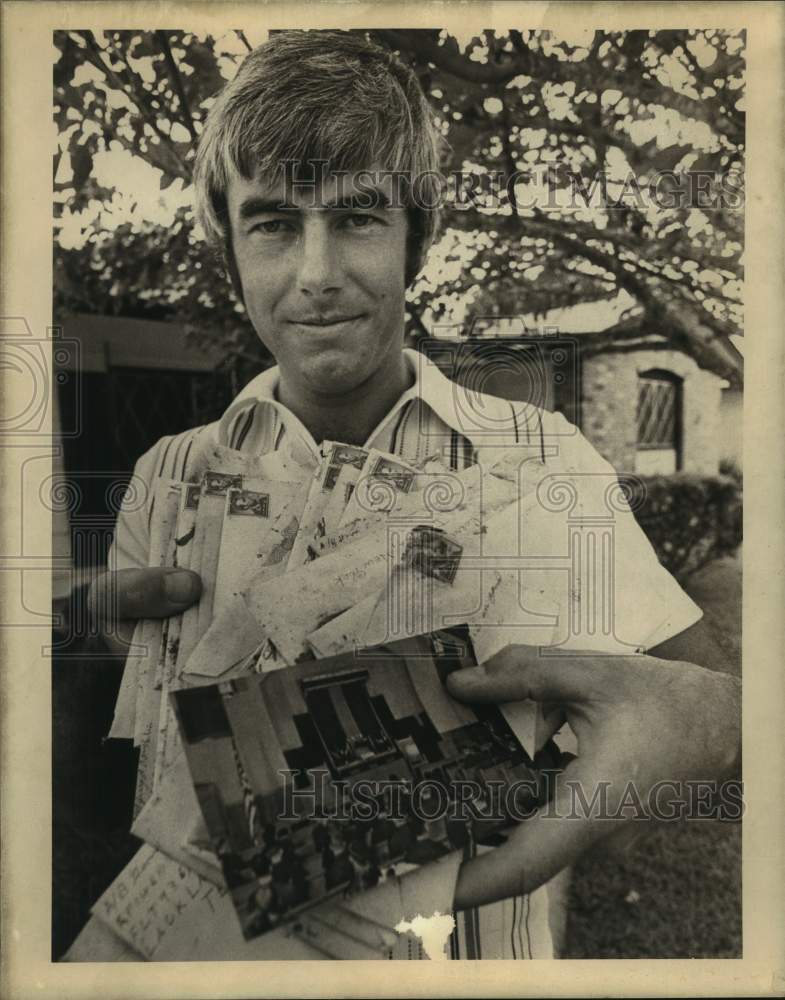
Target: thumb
column 520, row 672
column 156, row 592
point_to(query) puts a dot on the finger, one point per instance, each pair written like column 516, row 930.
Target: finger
column 519, row 672
column 537, row 849
column 143, row 593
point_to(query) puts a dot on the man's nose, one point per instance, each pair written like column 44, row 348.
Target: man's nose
column 320, row 268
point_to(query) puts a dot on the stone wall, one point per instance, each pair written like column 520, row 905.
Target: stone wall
column 609, row 400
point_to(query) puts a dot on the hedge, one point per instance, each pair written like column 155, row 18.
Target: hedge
column 690, row 520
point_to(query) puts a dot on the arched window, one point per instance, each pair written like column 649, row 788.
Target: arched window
column 658, row 450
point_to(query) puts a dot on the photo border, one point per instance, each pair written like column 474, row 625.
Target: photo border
column 27, row 58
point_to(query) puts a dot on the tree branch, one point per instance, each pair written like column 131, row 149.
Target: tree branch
column 127, row 82
column 589, row 74
column 241, row 35
column 176, row 81
column 448, row 58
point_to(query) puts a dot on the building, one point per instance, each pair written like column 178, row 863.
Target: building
column 650, row 410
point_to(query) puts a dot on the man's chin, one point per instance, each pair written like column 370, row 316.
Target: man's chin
column 335, row 376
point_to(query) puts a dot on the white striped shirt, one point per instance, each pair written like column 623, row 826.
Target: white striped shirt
column 433, row 416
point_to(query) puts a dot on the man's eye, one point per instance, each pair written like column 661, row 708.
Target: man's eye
column 358, row 221
column 270, row 226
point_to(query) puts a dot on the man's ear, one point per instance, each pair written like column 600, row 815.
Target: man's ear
column 230, row 266
column 416, row 255
column 421, row 237
column 227, row 258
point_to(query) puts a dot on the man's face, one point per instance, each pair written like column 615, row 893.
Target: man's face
column 323, row 279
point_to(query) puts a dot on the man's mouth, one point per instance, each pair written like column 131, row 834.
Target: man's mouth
column 325, row 322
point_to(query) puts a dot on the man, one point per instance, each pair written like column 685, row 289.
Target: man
column 297, row 184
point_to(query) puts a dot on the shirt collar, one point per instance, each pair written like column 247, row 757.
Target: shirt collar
column 430, row 385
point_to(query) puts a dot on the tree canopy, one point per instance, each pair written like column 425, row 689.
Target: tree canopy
column 597, row 168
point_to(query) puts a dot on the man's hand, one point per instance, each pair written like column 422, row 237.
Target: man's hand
column 638, row 720
column 118, row 599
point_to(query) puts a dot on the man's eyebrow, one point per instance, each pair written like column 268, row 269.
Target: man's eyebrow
column 369, row 199
column 259, row 206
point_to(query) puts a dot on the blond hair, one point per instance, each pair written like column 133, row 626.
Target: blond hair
column 327, row 96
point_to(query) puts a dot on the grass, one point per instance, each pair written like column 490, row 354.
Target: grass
column 674, row 893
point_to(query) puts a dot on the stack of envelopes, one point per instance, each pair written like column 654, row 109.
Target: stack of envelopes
column 300, row 570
